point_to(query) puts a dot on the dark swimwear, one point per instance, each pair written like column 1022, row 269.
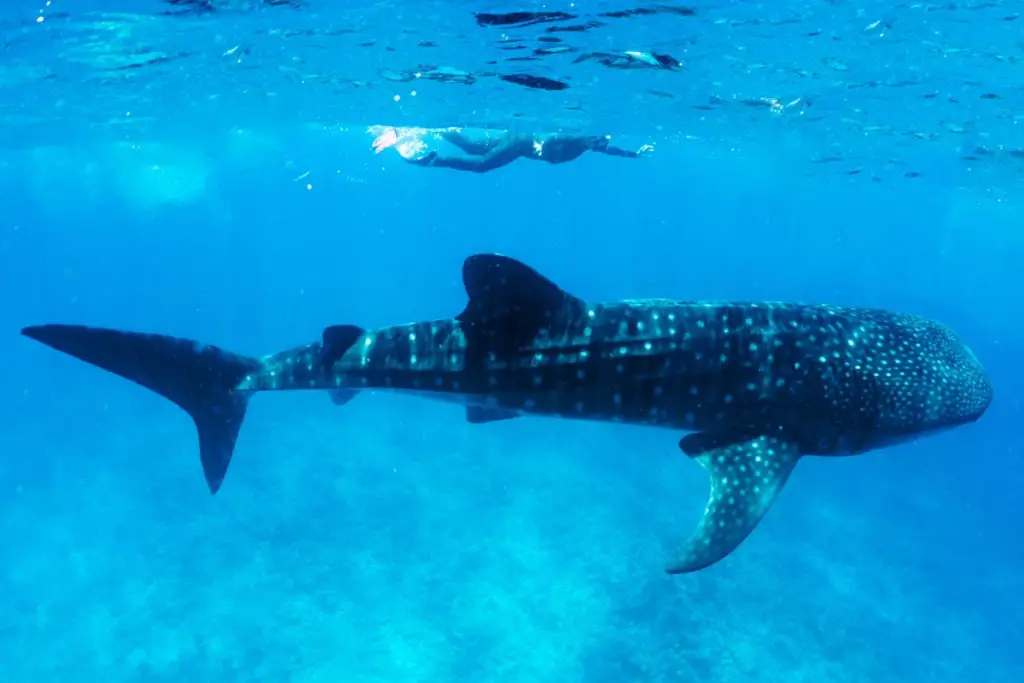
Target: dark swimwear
column 492, row 153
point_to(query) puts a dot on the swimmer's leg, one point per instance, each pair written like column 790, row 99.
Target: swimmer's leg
column 468, row 145
column 502, row 156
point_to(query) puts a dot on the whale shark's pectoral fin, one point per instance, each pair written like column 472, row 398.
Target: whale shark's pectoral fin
column 478, row 415
column 746, row 476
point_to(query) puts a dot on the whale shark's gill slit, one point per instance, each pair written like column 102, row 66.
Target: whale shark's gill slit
column 199, row 378
column 746, row 477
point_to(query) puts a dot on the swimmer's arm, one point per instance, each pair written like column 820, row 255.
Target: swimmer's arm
column 619, row 152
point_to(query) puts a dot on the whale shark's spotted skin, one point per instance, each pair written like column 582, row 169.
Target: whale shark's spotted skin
column 757, row 385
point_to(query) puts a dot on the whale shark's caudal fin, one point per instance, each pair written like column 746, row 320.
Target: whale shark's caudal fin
column 199, row 378
column 747, row 474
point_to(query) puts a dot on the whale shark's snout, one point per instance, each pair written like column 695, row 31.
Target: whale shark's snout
column 981, row 392
column 969, row 382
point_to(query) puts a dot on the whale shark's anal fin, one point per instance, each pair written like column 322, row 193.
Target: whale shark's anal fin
column 199, row 378
column 747, row 474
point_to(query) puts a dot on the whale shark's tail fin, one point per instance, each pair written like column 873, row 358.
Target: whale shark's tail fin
column 199, row 378
column 747, row 474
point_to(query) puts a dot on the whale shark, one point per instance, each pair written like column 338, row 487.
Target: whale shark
column 751, row 387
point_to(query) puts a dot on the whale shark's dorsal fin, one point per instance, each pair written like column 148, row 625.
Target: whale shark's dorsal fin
column 336, row 341
column 747, row 473
column 510, row 299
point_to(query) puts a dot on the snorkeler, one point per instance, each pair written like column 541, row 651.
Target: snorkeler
column 488, row 153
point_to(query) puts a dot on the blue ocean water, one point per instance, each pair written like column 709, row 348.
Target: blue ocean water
column 204, row 169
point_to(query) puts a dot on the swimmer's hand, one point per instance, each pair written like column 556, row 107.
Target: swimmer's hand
column 645, row 150
column 386, row 139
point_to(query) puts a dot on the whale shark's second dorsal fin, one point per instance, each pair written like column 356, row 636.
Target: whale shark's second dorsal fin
column 747, row 473
column 510, row 300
